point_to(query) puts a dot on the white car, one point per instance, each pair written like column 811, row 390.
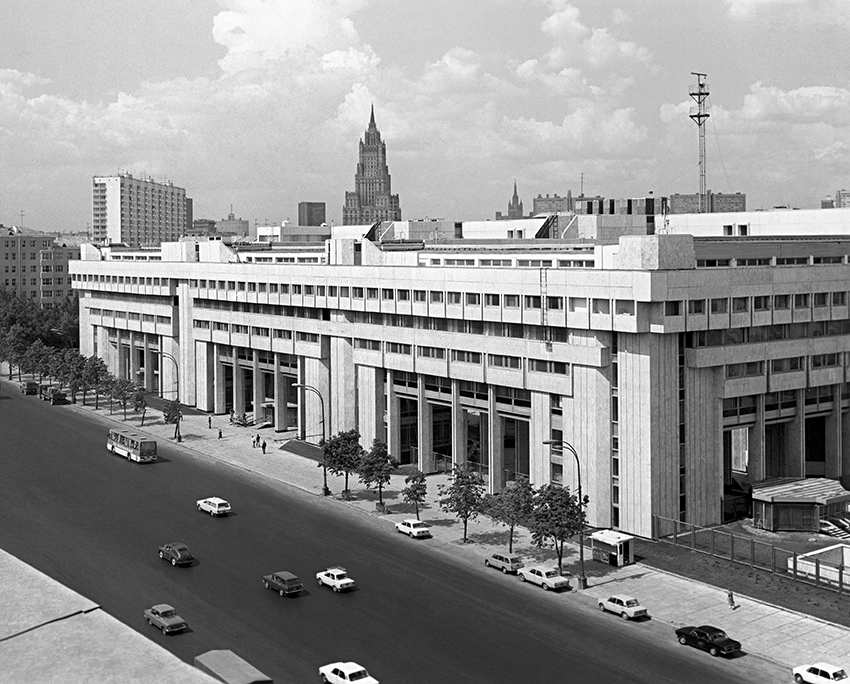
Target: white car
column 627, row 607
column 546, row 577
column 214, row 506
column 413, row 528
column 341, row 673
column 336, row 578
column 817, row 673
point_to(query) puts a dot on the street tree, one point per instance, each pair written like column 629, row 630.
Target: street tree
column 122, row 392
column 464, row 495
column 17, row 339
column 343, row 454
column 558, row 516
column 94, row 373
column 140, row 401
column 36, row 359
column 513, row 506
column 375, row 468
column 171, row 414
column 73, row 370
column 415, row 490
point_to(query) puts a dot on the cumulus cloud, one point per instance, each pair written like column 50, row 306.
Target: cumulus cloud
column 823, row 104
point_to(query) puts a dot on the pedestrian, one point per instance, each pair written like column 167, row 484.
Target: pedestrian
column 730, row 597
column 231, row 416
column 209, row 422
column 253, row 442
column 264, row 446
column 219, row 433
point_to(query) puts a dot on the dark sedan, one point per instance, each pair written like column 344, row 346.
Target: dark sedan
column 176, row 552
column 708, row 638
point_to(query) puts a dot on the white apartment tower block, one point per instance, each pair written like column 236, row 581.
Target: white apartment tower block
column 136, row 211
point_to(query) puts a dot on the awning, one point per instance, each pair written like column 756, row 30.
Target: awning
column 813, row 490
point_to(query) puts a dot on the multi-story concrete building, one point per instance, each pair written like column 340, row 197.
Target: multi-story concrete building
column 675, row 366
column 842, row 199
column 717, row 202
column 552, row 205
column 372, row 199
column 311, row 213
column 233, row 226
column 138, row 211
column 36, row 266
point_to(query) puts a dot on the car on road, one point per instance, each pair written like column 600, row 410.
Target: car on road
column 336, row 578
column 176, row 552
column 818, row 673
column 545, row 576
column 165, row 618
column 505, row 562
column 28, row 387
column 708, row 638
column 413, row 528
column 214, row 506
column 627, row 607
column 283, row 582
column 342, row 673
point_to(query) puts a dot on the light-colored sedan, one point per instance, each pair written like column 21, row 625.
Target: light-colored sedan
column 336, row 578
column 819, row 673
column 214, row 506
column 342, row 673
column 413, row 528
column 627, row 607
column 544, row 576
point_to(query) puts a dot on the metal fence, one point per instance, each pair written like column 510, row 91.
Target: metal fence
column 827, row 572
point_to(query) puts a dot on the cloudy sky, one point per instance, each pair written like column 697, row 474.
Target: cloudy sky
column 261, row 103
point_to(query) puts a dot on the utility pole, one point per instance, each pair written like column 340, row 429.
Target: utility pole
column 699, row 94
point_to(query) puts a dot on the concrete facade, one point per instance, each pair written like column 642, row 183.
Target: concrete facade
column 35, row 266
column 672, row 381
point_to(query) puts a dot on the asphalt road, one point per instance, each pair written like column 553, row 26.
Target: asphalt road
column 93, row 521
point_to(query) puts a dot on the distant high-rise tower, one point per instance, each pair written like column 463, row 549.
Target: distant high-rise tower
column 514, row 208
column 311, row 213
column 372, row 199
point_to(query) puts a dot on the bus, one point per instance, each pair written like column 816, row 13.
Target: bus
column 132, row 445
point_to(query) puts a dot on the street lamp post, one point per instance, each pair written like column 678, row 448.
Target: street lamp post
column 177, row 369
column 325, row 490
column 582, row 579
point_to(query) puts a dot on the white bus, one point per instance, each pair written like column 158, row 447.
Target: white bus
column 131, row 445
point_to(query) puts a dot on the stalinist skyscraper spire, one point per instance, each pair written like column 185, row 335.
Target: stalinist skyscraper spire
column 372, row 199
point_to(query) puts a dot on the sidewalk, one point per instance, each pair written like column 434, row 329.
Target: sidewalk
column 784, row 637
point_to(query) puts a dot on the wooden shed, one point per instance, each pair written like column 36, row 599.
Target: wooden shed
column 795, row 504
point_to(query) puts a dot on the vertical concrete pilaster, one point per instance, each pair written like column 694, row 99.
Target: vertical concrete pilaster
column 458, row 426
column 495, row 443
column 219, row 399
column 257, row 387
column 425, row 430
column 795, row 446
column 832, row 437
column 393, row 418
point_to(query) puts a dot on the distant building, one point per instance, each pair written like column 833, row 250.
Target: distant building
column 232, row 225
column 372, row 199
column 717, row 202
column 551, row 205
column 586, row 204
column 842, row 199
column 311, row 213
column 514, row 208
column 827, row 203
column 137, row 211
column 201, row 228
column 36, row 266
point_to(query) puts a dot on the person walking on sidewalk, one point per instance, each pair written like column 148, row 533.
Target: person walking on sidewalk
column 264, row 446
column 219, row 433
column 253, row 442
column 209, row 422
column 730, row 597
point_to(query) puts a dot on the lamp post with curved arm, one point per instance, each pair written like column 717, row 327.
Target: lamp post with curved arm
column 325, row 490
column 582, row 579
column 177, row 369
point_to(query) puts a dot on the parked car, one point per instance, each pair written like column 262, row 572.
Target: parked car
column 283, row 582
column 336, row 578
column 342, row 673
column 818, row 673
column 627, row 607
column 504, row 562
column 176, row 552
column 413, row 528
column 544, row 576
column 214, row 506
column 708, row 638
column 165, row 618
column 29, row 387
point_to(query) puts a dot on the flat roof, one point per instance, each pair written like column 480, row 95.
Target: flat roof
column 610, row 536
column 814, row 490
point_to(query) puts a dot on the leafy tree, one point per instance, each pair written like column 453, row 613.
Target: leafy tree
column 140, row 401
column 73, row 370
column 464, row 496
column 375, row 468
column 36, row 359
column 513, row 506
column 343, row 454
column 558, row 516
column 122, row 392
column 17, row 340
column 414, row 492
column 172, row 414
column 94, row 373
column 107, row 382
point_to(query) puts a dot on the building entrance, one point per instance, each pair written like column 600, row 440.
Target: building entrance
column 816, row 446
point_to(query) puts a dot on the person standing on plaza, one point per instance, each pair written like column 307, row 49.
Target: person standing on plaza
column 219, row 433
column 264, row 446
column 209, row 422
column 730, row 597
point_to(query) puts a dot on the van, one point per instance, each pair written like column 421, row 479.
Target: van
column 29, row 387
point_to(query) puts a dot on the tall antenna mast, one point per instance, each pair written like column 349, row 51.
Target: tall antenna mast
column 699, row 94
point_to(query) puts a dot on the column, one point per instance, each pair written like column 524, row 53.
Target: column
column 756, row 467
column 832, row 437
column 425, row 430
column 219, row 400
column 393, row 417
column 134, row 357
column 794, row 458
column 495, row 444
column 204, row 398
column 370, row 404
column 257, row 386
column 280, row 396
column 458, row 426
column 238, row 384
